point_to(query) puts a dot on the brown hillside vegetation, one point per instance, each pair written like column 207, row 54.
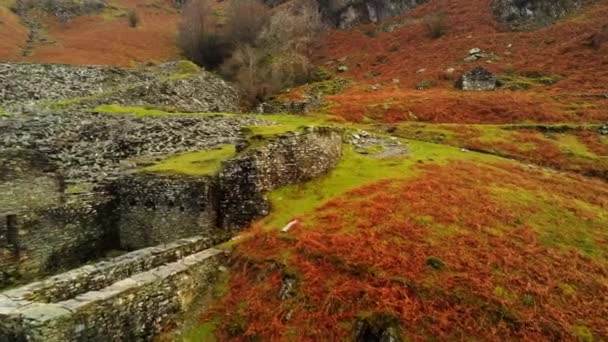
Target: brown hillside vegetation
column 13, row 35
column 561, row 50
column 108, row 38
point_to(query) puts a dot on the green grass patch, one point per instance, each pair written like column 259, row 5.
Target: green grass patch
column 356, row 170
column 200, row 163
column 571, row 145
column 558, row 226
column 526, row 81
column 582, row 333
column 138, row 111
column 203, row 332
column 185, row 69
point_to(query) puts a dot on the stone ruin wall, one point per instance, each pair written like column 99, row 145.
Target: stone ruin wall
column 132, row 296
column 292, row 158
column 129, row 298
column 40, row 230
column 154, row 209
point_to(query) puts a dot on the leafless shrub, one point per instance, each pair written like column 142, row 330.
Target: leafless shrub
column 435, row 25
column 133, row 18
column 244, row 20
column 599, row 38
column 279, row 56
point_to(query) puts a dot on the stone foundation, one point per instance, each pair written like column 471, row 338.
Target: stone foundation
column 128, row 298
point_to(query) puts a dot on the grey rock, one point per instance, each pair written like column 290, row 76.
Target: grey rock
column 529, row 14
column 477, row 79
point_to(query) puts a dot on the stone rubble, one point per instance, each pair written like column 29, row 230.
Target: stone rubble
column 25, row 86
column 376, row 146
column 90, row 148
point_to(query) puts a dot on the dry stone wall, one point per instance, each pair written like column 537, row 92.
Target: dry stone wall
column 153, row 209
column 289, row 159
column 123, row 306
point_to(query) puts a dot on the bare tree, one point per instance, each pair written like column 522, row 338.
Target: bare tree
column 199, row 36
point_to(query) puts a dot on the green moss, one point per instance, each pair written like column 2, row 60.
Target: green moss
column 558, row 226
column 203, row 332
column 199, row 163
column 138, row 111
column 185, row 69
column 355, row 170
column 79, row 188
column 3, row 113
column 582, row 333
column 526, row 81
column 567, row 290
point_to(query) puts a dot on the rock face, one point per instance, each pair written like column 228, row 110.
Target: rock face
column 64, row 9
column 23, row 85
column 523, row 14
column 348, row 13
column 478, row 79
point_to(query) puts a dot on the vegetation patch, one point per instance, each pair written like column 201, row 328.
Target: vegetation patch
column 372, row 248
column 525, row 81
column 199, row 163
column 137, row 111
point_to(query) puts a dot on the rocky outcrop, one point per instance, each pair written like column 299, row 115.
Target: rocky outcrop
column 527, row 14
column 23, row 85
column 348, row 13
column 63, row 9
column 478, row 79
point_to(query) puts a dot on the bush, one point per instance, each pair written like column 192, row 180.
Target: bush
column 279, row 56
column 134, row 18
column 259, row 51
column 244, row 20
column 435, row 25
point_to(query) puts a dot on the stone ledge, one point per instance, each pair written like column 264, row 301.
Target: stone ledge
column 151, row 299
column 94, row 277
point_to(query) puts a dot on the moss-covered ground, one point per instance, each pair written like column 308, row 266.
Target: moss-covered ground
column 199, row 163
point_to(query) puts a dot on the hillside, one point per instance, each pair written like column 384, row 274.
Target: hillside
column 382, row 200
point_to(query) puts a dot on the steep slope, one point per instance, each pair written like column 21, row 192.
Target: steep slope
column 13, row 33
column 398, row 55
column 104, row 38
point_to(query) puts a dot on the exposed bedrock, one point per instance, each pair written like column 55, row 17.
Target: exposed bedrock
column 346, row 14
column 528, row 14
